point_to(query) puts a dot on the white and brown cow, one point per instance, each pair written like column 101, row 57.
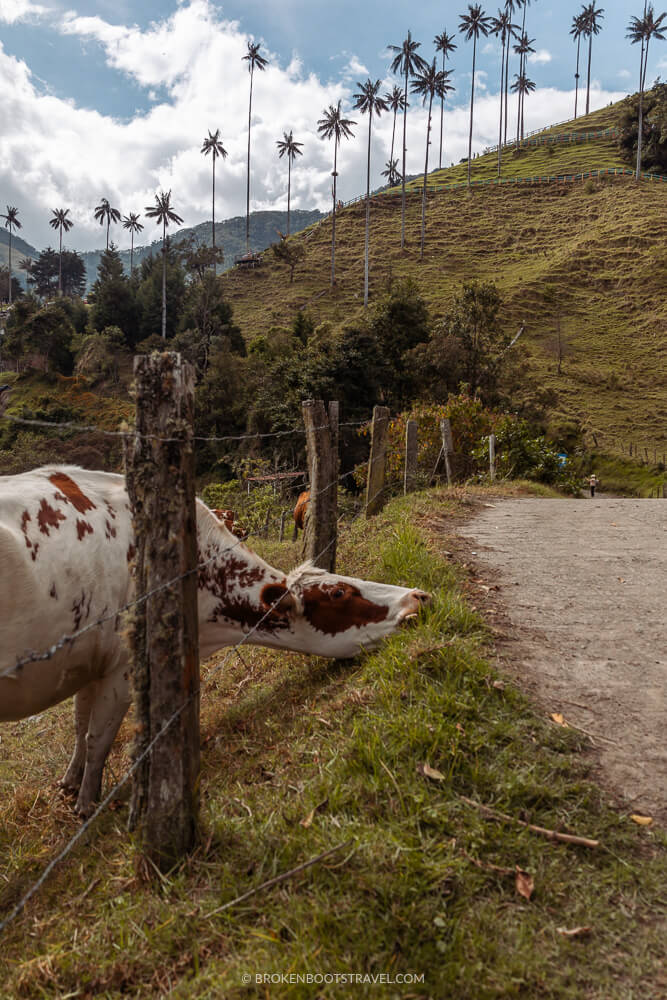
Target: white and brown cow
column 66, row 547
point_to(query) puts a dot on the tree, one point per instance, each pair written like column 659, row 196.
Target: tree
column 104, row 213
column 10, row 287
column 643, row 30
column 443, row 43
column 255, row 61
column 592, row 18
column 577, row 30
column 113, row 301
column 161, row 278
column 407, row 62
column 207, row 319
column 288, row 147
column 213, row 145
column 472, row 25
column 132, row 223
column 512, row 32
column 524, row 46
column 391, row 173
column 521, row 86
column 60, row 221
column 429, row 83
column 368, row 102
column 395, row 102
column 290, row 254
column 163, row 214
column 11, row 222
column 334, row 126
column 654, row 129
column 501, row 25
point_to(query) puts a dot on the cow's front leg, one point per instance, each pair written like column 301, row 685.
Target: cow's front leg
column 110, row 703
column 83, row 703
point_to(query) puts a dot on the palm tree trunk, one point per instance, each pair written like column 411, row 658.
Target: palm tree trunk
column 500, row 128
column 393, row 135
column 215, row 263
column 132, row 253
column 507, row 83
column 333, row 219
column 588, row 84
column 472, row 100
column 405, row 147
column 108, row 223
column 642, row 83
column 442, row 115
column 164, row 281
column 289, row 186
column 60, row 264
column 10, row 265
column 368, row 206
column 576, row 79
column 247, row 214
column 428, row 138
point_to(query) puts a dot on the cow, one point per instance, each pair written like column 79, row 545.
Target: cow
column 228, row 518
column 66, row 549
column 301, row 509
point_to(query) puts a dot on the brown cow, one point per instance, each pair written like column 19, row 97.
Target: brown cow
column 228, row 518
column 301, row 509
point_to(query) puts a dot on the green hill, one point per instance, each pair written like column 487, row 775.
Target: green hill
column 600, row 244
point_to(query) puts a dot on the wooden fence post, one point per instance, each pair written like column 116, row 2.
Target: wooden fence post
column 447, row 447
column 164, row 630
column 321, row 529
column 492, row 456
column 281, row 535
column 375, row 489
column 410, row 475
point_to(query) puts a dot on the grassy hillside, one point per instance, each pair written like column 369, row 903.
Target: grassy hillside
column 601, row 245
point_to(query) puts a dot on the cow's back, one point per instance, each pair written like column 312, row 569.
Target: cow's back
column 65, row 545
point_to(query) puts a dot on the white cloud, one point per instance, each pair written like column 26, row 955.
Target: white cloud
column 625, row 74
column 541, row 56
column 12, row 11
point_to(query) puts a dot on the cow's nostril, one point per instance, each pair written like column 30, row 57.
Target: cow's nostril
column 422, row 596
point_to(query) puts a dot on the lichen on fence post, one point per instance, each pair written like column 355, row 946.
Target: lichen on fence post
column 163, row 633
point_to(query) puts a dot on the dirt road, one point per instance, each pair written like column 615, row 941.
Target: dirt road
column 584, row 583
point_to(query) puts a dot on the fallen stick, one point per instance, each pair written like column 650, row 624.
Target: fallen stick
column 278, row 878
column 565, row 838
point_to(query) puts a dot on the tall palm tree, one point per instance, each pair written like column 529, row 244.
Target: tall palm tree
column 512, row 32
column 521, row 86
column 443, row 43
column 334, row 126
column 407, row 62
column 524, row 46
column 592, row 18
column 163, row 214
column 577, row 30
column 132, row 223
column 11, row 222
column 60, row 221
column 369, row 102
column 288, row 147
column 643, row 30
column 500, row 26
column 213, row 144
column 395, row 102
column 430, row 83
column 472, row 25
column 255, row 61
column 104, row 213
column 391, row 173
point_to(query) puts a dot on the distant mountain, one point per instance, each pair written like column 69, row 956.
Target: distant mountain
column 229, row 235
column 20, row 249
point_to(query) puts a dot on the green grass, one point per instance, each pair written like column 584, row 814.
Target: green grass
column 285, row 737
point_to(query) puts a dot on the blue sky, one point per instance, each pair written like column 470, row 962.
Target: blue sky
column 113, row 97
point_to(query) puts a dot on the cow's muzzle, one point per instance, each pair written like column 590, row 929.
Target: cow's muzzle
column 412, row 605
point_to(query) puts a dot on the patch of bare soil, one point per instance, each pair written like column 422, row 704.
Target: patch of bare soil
column 576, row 592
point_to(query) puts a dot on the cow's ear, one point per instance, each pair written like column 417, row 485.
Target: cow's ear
column 278, row 597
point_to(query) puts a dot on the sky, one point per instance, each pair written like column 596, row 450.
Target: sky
column 113, row 98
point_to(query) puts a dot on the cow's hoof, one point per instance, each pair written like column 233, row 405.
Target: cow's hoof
column 84, row 810
column 68, row 788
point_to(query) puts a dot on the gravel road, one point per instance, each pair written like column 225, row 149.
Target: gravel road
column 584, row 585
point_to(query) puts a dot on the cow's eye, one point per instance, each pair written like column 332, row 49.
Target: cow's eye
column 338, row 593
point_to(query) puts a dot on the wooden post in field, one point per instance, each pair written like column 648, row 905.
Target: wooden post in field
column 164, row 630
column 492, row 456
column 410, row 475
column 375, row 498
column 321, row 529
column 283, row 515
column 447, row 447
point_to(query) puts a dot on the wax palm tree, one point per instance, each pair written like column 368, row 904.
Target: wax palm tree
column 429, row 83
column 443, row 43
column 163, row 214
column 577, row 30
column 472, row 25
column 132, row 223
column 212, row 144
column 369, row 102
column 391, row 173
column 513, row 32
column 407, row 62
column 395, row 102
column 524, row 46
column 11, row 218
column 643, row 30
column 592, row 18
column 500, row 25
column 522, row 86
column 288, row 147
column 60, row 221
column 334, row 126
column 104, row 213
column 255, row 61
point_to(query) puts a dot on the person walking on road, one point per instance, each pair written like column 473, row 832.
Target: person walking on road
column 592, row 482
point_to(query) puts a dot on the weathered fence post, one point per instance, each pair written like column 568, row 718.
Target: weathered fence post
column 375, row 497
column 321, row 528
column 410, row 475
column 492, row 456
column 281, row 535
column 164, row 630
column 447, row 447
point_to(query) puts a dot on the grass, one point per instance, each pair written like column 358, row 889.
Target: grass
column 302, row 754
